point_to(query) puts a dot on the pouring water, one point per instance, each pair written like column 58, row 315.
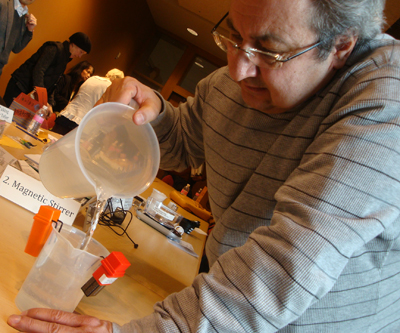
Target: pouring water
column 106, row 155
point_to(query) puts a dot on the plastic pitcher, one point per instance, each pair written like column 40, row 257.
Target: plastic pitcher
column 59, row 272
column 107, row 151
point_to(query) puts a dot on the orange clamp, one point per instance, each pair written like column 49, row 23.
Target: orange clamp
column 112, row 267
column 41, row 229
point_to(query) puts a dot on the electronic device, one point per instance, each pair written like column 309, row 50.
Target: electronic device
column 165, row 230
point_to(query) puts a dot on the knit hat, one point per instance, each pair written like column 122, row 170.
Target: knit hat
column 82, row 41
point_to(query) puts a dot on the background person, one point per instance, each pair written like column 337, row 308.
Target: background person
column 300, row 136
column 68, row 85
column 44, row 68
column 89, row 93
column 16, row 28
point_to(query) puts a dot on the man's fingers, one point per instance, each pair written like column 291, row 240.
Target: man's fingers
column 121, row 91
column 48, row 320
column 130, row 90
column 56, row 316
column 30, row 19
column 31, row 325
column 146, row 113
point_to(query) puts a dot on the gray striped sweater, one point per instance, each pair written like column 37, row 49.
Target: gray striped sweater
column 306, row 205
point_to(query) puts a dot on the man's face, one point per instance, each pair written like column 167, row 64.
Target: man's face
column 26, row 2
column 75, row 51
column 277, row 26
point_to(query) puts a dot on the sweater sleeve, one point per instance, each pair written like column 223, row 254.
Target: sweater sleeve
column 23, row 42
column 180, row 131
column 43, row 64
column 335, row 207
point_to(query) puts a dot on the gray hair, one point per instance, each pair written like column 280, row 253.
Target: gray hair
column 334, row 18
column 115, row 74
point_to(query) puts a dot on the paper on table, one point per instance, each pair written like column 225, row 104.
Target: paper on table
column 6, row 141
column 30, row 194
column 51, row 138
column 33, row 159
column 201, row 232
column 27, row 169
column 185, row 246
column 6, row 114
column 5, row 159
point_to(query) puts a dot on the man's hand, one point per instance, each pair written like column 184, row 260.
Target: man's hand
column 129, row 89
column 50, row 110
column 48, row 320
column 31, row 22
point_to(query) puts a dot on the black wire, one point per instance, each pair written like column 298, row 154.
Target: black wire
column 105, row 219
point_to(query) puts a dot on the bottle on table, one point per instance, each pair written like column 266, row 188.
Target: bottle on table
column 37, row 120
column 196, row 196
column 186, row 189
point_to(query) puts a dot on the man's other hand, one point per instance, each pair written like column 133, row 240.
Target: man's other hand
column 31, row 22
column 48, row 320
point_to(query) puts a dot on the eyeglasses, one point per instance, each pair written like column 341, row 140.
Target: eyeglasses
column 259, row 58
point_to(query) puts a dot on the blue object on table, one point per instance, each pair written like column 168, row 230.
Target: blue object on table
column 26, row 132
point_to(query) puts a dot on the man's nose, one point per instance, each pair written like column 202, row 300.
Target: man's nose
column 240, row 66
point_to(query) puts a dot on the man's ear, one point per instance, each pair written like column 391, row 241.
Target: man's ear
column 342, row 49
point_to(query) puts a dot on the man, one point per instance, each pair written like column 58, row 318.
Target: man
column 88, row 94
column 44, row 68
column 16, row 28
column 301, row 140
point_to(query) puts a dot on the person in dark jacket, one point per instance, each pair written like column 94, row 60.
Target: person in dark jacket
column 16, row 28
column 68, row 85
column 44, row 68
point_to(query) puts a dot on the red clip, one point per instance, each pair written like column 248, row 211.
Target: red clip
column 112, row 267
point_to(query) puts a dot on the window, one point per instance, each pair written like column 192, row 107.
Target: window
column 159, row 60
column 198, row 70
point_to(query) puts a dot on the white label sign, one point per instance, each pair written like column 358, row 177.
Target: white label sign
column 30, row 194
column 104, row 279
column 6, row 114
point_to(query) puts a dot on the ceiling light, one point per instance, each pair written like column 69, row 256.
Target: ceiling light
column 194, row 33
column 198, row 64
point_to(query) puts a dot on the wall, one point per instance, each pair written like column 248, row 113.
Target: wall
column 113, row 27
column 392, row 11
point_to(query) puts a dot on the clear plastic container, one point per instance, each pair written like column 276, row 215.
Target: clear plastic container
column 59, row 272
column 160, row 212
column 158, row 196
column 107, row 152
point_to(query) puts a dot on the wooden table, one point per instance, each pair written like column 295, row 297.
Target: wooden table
column 156, row 265
column 158, row 268
column 12, row 130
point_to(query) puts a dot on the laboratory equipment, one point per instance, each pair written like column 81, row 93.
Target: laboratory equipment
column 106, row 153
column 60, row 270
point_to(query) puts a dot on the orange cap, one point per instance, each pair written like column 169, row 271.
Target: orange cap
column 112, row 267
column 41, row 229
